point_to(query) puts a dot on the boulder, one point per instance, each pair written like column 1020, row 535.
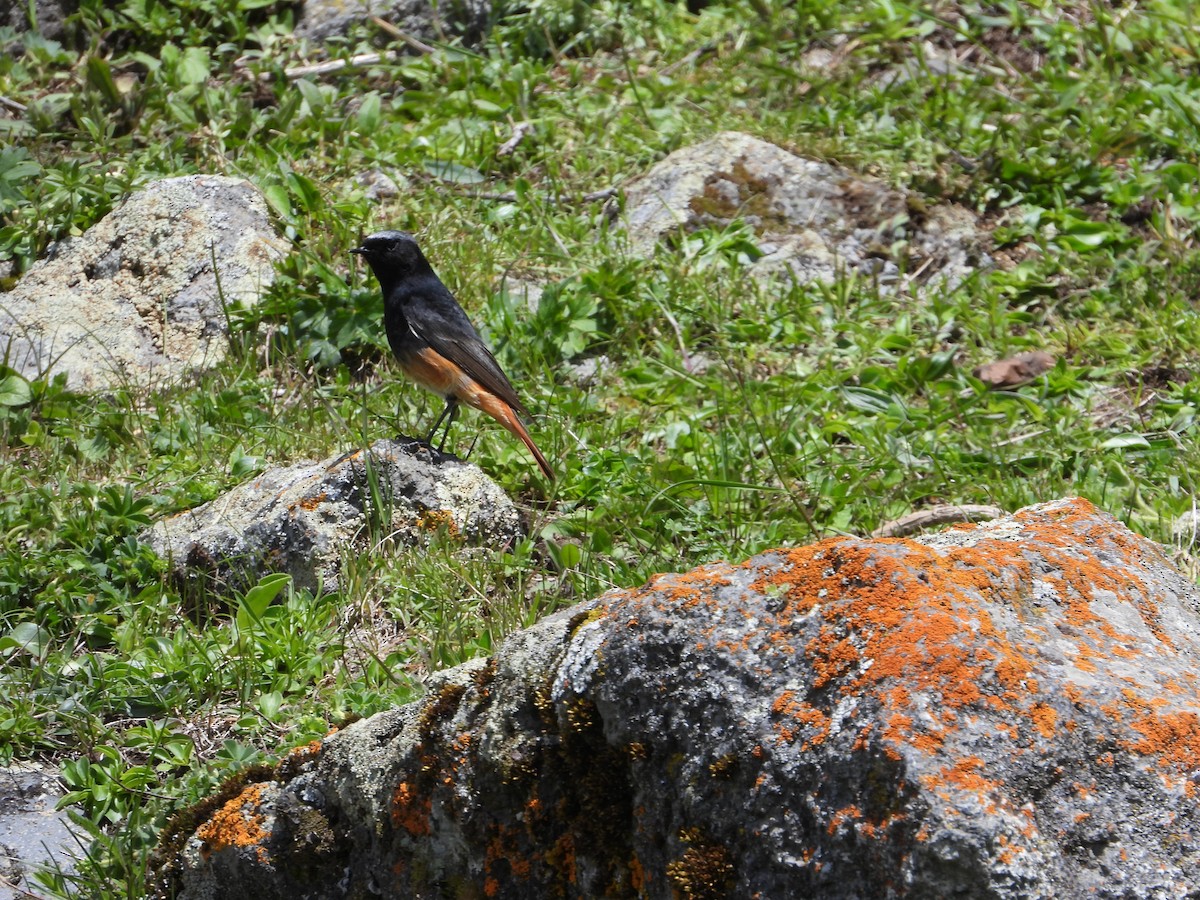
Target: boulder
column 44, row 16
column 812, row 220
column 1005, row 710
column 320, row 20
column 301, row 519
column 136, row 298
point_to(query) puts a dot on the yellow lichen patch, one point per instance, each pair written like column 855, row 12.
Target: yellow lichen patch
column 596, row 614
column 704, row 871
column 434, row 519
column 308, row 504
column 239, row 823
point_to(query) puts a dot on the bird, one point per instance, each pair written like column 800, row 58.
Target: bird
column 436, row 344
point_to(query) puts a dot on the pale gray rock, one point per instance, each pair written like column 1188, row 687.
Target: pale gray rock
column 136, row 300
column 320, row 20
column 812, row 220
column 379, row 185
column 301, row 519
column 1008, row 711
column 34, row 836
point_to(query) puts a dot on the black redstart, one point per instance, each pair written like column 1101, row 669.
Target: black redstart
column 434, row 341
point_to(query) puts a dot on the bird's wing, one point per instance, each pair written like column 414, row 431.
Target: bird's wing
column 436, row 318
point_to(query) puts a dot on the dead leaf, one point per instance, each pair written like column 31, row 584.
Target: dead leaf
column 1016, row 370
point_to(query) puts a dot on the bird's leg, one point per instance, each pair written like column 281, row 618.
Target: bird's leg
column 451, row 410
column 449, row 422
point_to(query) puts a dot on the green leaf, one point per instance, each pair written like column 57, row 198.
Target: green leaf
column 270, row 703
column 1124, row 441
column 278, row 199
column 14, row 391
column 312, row 95
column 874, row 402
column 368, row 113
column 27, row 637
column 99, row 76
column 487, row 106
column 15, row 167
column 254, row 603
column 306, row 192
column 194, row 66
column 453, row 172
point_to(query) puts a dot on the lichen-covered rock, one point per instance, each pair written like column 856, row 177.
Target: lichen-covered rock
column 812, row 220
column 1008, row 710
column 136, row 298
column 301, row 519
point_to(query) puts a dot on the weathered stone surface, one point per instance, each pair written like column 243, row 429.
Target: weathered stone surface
column 1008, row 710
column 47, row 15
column 423, row 19
column 135, row 298
column 300, row 519
column 812, row 220
column 34, row 836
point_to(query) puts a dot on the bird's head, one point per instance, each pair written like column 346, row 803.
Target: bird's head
column 392, row 255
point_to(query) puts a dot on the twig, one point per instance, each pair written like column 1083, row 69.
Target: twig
column 328, row 67
column 13, row 104
column 519, row 131
column 688, row 59
column 419, row 46
column 511, row 197
column 936, row 515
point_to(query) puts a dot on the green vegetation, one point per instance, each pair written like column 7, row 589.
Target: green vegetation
column 815, row 410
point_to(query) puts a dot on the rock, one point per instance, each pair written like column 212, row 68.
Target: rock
column 135, row 299
column 34, row 836
column 428, row 20
column 812, row 219
column 1009, row 710
column 48, row 16
column 379, row 185
column 301, row 518
column 526, row 293
column 589, row 371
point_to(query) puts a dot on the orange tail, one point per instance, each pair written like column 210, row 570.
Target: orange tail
column 503, row 413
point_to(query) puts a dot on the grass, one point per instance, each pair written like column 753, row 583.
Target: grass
column 727, row 415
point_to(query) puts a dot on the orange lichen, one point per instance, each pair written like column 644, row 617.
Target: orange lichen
column 965, row 774
column 239, row 823
column 814, row 721
column 308, row 504
column 637, row 875
column 899, row 612
column 1044, row 719
column 411, row 810
column 1174, row 738
column 842, row 816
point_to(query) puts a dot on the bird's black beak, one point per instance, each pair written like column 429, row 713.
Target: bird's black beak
column 361, row 251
